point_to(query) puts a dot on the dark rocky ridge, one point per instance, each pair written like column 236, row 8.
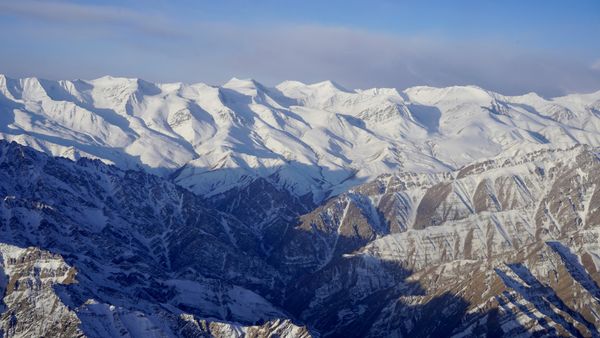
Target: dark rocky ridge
column 505, row 247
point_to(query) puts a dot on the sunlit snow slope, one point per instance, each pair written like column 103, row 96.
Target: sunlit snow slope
column 318, row 138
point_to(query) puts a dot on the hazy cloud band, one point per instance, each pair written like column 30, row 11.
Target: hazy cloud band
column 144, row 45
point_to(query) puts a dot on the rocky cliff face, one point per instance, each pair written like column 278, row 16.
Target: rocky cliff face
column 502, row 247
column 92, row 250
column 30, row 284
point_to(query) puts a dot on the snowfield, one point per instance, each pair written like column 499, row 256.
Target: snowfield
column 300, row 210
column 317, row 139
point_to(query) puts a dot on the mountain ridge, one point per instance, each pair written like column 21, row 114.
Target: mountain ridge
column 294, row 144
column 244, row 124
column 507, row 247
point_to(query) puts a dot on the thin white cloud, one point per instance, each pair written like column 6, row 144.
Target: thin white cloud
column 68, row 12
column 359, row 58
column 596, row 65
column 99, row 40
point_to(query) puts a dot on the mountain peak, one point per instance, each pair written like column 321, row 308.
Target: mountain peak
column 110, row 78
column 248, row 87
column 433, row 95
column 237, row 82
column 330, row 85
column 3, row 81
column 291, row 83
column 132, row 85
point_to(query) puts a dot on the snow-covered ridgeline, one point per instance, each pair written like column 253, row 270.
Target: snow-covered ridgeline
column 304, row 138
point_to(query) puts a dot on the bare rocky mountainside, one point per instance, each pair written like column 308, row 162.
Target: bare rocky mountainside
column 176, row 210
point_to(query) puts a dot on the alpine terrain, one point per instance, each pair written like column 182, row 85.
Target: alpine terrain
column 138, row 209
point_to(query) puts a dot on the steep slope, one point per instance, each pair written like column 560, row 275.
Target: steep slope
column 89, row 249
column 479, row 214
column 306, row 139
column 506, row 246
column 301, row 143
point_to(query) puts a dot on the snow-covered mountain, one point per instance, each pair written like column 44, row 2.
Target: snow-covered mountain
column 296, row 211
column 504, row 247
column 89, row 249
column 308, row 139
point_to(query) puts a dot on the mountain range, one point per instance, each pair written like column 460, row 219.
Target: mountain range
column 138, row 209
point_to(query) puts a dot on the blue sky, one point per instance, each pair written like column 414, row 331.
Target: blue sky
column 513, row 47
